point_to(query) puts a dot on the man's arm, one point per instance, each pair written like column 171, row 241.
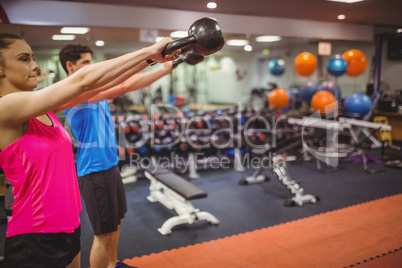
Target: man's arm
column 137, row 81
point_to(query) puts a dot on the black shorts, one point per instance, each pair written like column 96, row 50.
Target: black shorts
column 39, row 250
column 105, row 199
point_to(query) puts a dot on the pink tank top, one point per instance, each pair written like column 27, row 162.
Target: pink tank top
column 41, row 168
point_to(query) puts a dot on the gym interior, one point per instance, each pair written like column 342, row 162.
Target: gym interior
column 279, row 145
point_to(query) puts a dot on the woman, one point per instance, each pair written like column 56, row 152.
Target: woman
column 36, row 154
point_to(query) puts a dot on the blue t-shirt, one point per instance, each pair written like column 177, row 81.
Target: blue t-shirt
column 93, row 129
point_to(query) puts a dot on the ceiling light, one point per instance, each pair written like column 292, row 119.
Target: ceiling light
column 237, row 42
column 341, row 17
column 179, row 34
column 63, row 37
column 74, row 30
column 268, row 38
column 248, row 48
column 212, row 5
column 346, row 1
column 399, row 30
column 100, row 43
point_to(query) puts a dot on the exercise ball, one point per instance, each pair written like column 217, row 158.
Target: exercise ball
column 307, row 90
column 305, row 64
column 357, row 104
column 276, row 66
column 292, row 93
column 337, row 65
column 331, row 87
column 356, row 61
column 323, row 101
column 294, row 97
column 278, row 98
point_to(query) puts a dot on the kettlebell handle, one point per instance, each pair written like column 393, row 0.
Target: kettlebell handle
column 181, row 43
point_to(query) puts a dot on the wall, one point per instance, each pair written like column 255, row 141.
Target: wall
column 391, row 71
column 239, row 72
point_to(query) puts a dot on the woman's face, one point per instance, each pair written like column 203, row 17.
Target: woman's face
column 19, row 68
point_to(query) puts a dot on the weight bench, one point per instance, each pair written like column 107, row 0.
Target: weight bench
column 332, row 156
column 174, row 192
column 278, row 158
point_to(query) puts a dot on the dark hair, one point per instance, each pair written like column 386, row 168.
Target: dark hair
column 6, row 39
column 72, row 53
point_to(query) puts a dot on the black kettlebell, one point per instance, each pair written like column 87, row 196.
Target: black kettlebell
column 204, row 36
column 191, row 57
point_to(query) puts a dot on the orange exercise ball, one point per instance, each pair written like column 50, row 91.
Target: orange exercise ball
column 323, row 101
column 305, row 64
column 357, row 62
column 278, row 98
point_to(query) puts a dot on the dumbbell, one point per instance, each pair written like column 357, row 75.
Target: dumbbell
column 204, row 37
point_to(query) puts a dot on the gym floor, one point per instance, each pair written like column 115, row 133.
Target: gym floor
column 239, row 208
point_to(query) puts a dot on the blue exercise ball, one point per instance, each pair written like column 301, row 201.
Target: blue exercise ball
column 357, row 104
column 337, row 65
column 292, row 92
column 276, row 66
column 294, row 96
column 331, row 87
column 307, row 90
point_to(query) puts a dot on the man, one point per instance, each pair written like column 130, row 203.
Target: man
column 97, row 160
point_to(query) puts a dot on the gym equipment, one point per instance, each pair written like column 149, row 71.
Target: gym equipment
column 235, row 135
column 337, row 65
column 307, row 90
column 195, row 141
column 258, row 143
column 298, row 198
column 276, row 66
column 305, row 64
column 278, row 98
column 278, row 158
column 204, row 36
column 176, row 193
column 128, row 174
column 191, row 57
column 356, row 61
column 334, row 153
column 383, row 135
column 331, row 87
column 257, row 176
column 388, row 104
column 324, row 102
column 258, row 99
column 294, row 98
column 357, row 104
column 394, row 164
